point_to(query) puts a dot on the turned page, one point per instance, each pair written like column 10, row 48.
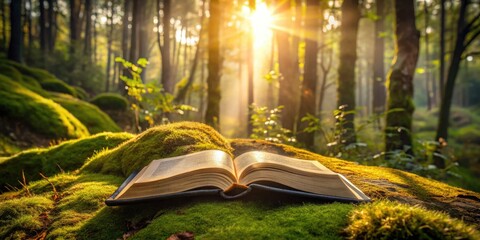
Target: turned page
column 257, row 159
column 170, row 167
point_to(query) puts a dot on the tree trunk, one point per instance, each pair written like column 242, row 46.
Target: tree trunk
column 51, row 26
column 109, row 45
column 43, row 29
column 400, row 80
column 346, row 69
column 427, row 57
column 286, row 68
column 309, row 85
column 167, row 80
column 16, row 38
column 74, row 25
column 134, row 46
column 143, row 33
column 442, row 48
column 28, row 16
column 125, row 34
column 379, row 91
column 212, row 115
column 87, row 47
column 4, row 25
column 250, row 69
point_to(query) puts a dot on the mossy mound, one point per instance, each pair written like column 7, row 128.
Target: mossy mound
column 110, row 102
column 91, row 116
column 81, row 93
column 78, row 211
column 42, row 115
column 390, row 220
column 67, row 156
column 59, row 87
column 158, row 142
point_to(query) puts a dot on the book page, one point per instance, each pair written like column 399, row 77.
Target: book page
column 257, row 157
column 169, row 167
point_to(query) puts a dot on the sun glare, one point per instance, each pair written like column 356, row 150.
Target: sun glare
column 261, row 20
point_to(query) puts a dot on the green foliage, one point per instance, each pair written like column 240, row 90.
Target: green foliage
column 67, row 156
column 22, row 217
column 150, row 102
column 110, row 101
column 58, row 86
column 7, row 146
column 40, row 114
column 392, row 220
column 267, row 125
column 158, row 142
column 90, row 115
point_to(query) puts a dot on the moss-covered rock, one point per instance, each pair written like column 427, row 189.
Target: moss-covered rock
column 67, row 156
column 58, row 86
column 81, row 93
column 42, row 115
column 90, row 115
column 391, row 220
column 158, row 142
column 110, row 102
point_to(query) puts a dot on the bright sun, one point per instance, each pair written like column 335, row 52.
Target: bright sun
column 261, row 21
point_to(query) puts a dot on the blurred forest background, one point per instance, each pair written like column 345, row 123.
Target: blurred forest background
column 391, row 83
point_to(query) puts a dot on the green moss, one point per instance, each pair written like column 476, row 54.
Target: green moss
column 58, row 86
column 67, row 156
column 7, row 146
column 22, row 217
column 390, row 220
column 244, row 220
column 158, row 142
column 81, row 93
column 91, row 116
column 110, row 101
column 39, row 75
column 467, row 134
column 42, row 115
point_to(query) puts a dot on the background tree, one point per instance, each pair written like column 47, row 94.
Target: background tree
column 167, row 81
column 379, row 91
column 346, row 70
column 310, row 78
column 16, row 38
column 212, row 115
column 400, row 104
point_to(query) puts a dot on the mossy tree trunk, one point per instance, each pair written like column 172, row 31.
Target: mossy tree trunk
column 346, row 70
column 310, row 78
column 400, row 80
column 212, row 115
column 379, row 91
column 16, row 38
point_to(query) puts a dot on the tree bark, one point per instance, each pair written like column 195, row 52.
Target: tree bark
column 212, row 115
column 4, row 25
column 74, row 25
column 16, row 38
column 286, row 68
column 442, row 48
column 346, row 70
column 87, row 47
column 427, row 57
column 167, row 80
column 310, row 78
column 134, row 46
column 109, row 45
column 51, row 26
column 400, row 80
column 125, row 40
column 43, row 28
column 250, row 69
column 379, row 91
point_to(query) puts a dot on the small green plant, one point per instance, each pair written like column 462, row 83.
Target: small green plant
column 267, row 125
column 149, row 100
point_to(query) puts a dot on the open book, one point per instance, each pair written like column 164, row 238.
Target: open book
column 215, row 172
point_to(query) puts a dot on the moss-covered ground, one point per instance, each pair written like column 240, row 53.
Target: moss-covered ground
column 70, row 205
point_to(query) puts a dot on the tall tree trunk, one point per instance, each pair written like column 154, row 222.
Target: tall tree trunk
column 51, row 26
column 43, row 28
column 250, row 69
column 16, row 38
column 4, row 25
column 28, row 16
column 125, row 40
column 87, row 47
column 109, row 45
column 442, row 48
column 400, row 80
column 212, row 115
column 379, row 91
column 462, row 42
column 346, row 69
column 134, row 46
column 309, row 85
column 427, row 57
column 74, row 25
column 143, row 33
column 285, row 62
column 167, row 80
